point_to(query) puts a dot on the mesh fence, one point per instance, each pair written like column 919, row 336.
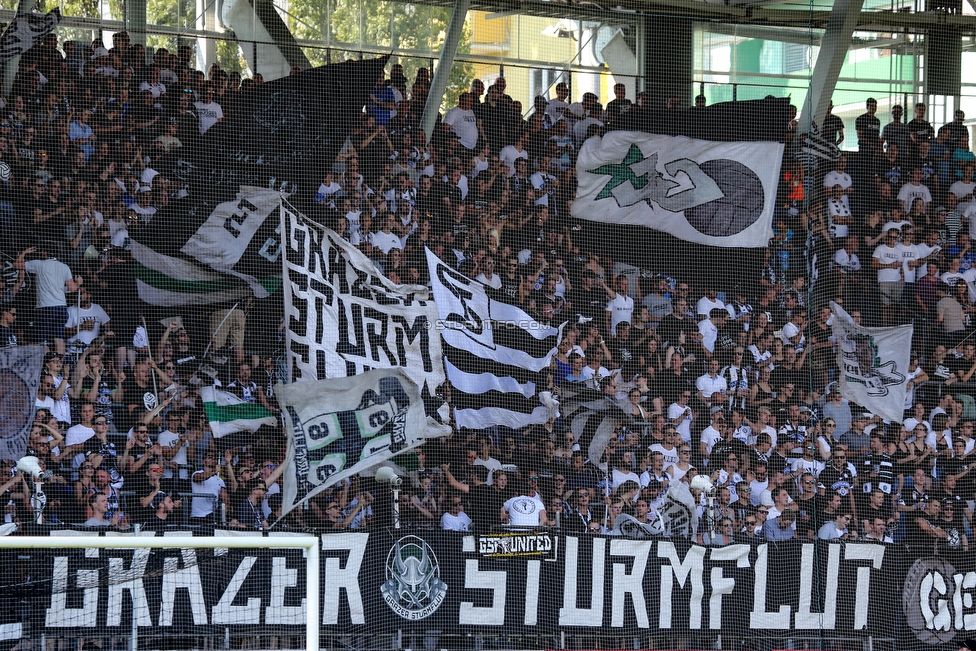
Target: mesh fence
column 606, row 274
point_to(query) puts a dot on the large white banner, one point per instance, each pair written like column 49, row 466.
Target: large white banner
column 714, row 193
column 343, row 317
column 873, row 363
column 338, row 428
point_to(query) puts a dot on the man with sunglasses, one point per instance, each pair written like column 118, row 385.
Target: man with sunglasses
column 454, row 518
column 840, row 477
column 208, row 483
column 527, row 509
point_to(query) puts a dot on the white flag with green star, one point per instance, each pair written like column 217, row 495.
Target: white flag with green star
column 714, row 193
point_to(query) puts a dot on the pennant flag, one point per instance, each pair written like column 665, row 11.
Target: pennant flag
column 25, row 31
column 345, row 318
column 494, row 352
column 720, row 194
column 874, row 364
column 593, row 418
column 340, row 427
column 691, row 232
column 20, row 372
column 229, row 414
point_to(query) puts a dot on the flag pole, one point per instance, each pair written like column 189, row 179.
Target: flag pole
column 152, row 372
column 222, row 322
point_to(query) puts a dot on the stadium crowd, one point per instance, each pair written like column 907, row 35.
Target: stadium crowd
column 736, row 382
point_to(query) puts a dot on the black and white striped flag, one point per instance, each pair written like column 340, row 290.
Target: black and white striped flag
column 494, row 352
column 593, row 418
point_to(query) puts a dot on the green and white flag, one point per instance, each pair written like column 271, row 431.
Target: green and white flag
column 233, row 252
column 229, row 414
column 169, row 281
column 873, row 363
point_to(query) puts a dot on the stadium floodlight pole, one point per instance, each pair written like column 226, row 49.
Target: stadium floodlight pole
column 444, row 65
column 310, row 544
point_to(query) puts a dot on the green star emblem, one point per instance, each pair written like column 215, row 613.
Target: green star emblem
column 620, row 173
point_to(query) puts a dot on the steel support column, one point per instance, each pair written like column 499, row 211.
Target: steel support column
column 135, row 21
column 833, row 48
column 444, row 65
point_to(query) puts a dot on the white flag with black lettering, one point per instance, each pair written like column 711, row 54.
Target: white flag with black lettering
column 494, row 353
column 714, row 193
column 338, row 428
column 874, row 364
column 343, row 317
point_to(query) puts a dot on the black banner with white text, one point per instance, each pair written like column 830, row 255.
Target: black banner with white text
column 441, row 580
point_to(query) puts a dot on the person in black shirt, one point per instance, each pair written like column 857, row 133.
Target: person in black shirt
column 868, row 128
column 482, row 498
column 8, row 335
column 588, row 300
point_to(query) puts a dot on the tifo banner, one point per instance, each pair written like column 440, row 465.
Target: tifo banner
column 391, row 581
column 715, row 193
column 20, row 372
column 231, row 254
column 339, row 427
column 344, row 317
column 25, row 31
column 229, row 414
column 494, row 352
column 874, row 364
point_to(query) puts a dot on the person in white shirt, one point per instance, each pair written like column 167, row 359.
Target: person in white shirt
column 208, row 111
column 712, row 387
column 85, row 322
column 455, row 519
column 207, row 482
column 544, row 182
column 681, row 415
column 913, row 190
column 839, row 213
column 620, row 307
column 839, row 176
column 887, row 260
column 488, row 276
column 509, row 153
column 709, row 328
column 707, row 303
column 464, row 123
column 557, row 106
column 385, row 239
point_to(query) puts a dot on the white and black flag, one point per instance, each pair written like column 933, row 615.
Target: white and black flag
column 26, row 31
column 715, row 193
column 337, row 428
column 874, row 364
column 593, row 418
column 494, row 353
column 343, row 317
column 20, row 371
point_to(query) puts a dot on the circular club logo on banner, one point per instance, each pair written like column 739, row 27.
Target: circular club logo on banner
column 738, row 209
column 929, row 601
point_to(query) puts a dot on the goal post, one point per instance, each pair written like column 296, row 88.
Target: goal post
column 309, row 544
